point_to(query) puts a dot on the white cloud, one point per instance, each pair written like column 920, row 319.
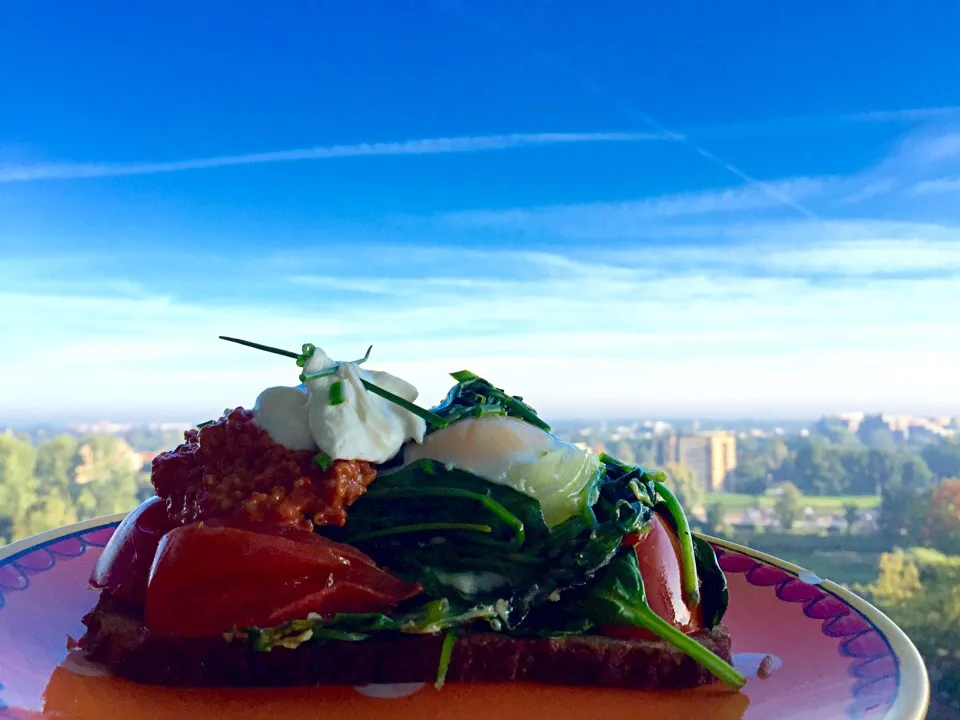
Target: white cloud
column 936, row 187
column 622, row 218
column 431, row 146
column 579, row 336
column 869, row 191
column 760, row 313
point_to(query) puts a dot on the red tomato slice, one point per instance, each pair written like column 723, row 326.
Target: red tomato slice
column 124, row 566
column 210, row 576
column 658, row 554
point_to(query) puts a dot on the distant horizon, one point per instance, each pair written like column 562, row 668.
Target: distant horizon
column 613, row 420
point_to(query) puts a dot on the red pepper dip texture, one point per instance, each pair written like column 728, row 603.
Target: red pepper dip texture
column 231, row 469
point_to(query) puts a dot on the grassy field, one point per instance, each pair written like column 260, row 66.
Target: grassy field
column 842, row 566
column 737, row 501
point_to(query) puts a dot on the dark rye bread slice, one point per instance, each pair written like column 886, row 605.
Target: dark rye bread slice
column 117, row 638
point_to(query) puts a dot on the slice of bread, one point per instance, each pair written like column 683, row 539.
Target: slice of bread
column 117, row 638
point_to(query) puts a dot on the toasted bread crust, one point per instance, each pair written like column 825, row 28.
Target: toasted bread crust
column 117, row 638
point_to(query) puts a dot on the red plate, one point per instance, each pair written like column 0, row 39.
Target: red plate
column 835, row 656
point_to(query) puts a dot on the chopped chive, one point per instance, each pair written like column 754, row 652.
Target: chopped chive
column 305, row 377
column 307, row 351
column 610, row 460
column 464, row 376
column 428, row 416
column 205, row 423
column 336, row 393
column 446, row 653
column 366, row 357
column 258, row 346
column 521, row 411
column 322, row 460
column 691, row 588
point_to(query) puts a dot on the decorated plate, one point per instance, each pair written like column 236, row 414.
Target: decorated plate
column 809, row 648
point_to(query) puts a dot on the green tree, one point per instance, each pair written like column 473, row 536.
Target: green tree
column 878, row 436
column 684, row 484
column 18, row 486
column 942, row 528
column 56, row 463
column 920, row 591
column 757, row 461
column 53, row 509
column 943, row 458
column 914, row 472
column 851, row 513
column 775, row 452
column 903, row 515
column 789, row 505
column 106, row 477
column 55, row 472
column 751, row 476
column 815, row 468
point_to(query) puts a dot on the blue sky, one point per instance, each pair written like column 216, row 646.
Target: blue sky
column 698, row 209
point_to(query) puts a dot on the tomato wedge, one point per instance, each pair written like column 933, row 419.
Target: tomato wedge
column 658, row 554
column 210, row 576
column 124, row 565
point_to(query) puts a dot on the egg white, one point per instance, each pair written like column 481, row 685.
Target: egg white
column 509, row 451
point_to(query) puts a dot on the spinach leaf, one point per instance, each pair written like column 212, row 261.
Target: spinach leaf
column 427, row 492
column 618, row 598
column 429, row 618
column 473, row 396
column 714, row 596
column 417, row 522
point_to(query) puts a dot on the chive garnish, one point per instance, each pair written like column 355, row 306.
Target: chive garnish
column 258, row 346
column 205, row 423
column 420, row 412
column 336, row 393
column 322, row 460
column 464, row 376
column 446, row 653
column 306, row 352
column 691, row 588
column 428, row 416
column 305, row 377
column 366, row 356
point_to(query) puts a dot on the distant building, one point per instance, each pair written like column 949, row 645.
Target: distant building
column 710, row 456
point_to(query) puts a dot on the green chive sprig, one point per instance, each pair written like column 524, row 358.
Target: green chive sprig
column 307, row 352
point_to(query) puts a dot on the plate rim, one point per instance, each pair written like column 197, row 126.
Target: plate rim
column 913, row 691
column 909, row 704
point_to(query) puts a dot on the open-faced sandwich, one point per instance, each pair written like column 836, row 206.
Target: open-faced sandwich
column 339, row 534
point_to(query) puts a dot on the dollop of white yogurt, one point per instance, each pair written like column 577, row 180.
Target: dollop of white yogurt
column 364, row 426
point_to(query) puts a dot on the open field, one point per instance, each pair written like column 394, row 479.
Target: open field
column 738, row 501
column 845, row 567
